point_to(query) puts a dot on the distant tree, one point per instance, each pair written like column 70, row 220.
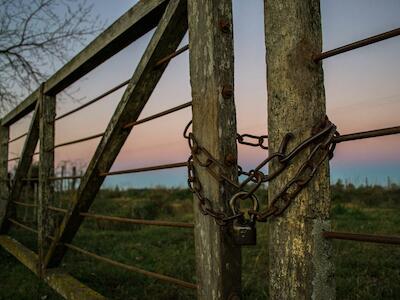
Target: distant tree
column 36, row 36
column 339, row 185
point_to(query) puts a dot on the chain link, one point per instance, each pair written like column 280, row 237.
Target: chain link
column 322, row 146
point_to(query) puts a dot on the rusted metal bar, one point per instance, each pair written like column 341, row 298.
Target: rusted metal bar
column 13, row 159
column 17, row 158
column 138, row 221
column 358, row 44
column 128, row 220
column 105, row 94
column 172, row 55
column 146, row 169
column 368, row 134
column 158, row 115
column 22, row 225
column 92, row 137
column 155, row 275
column 24, row 204
column 369, row 238
column 65, row 177
column 18, row 138
column 57, row 209
column 54, row 178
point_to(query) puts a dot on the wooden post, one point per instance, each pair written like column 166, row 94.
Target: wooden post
column 22, row 170
column 46, row 170
column 218, row 260
column 4, row 180
column 300, row 262
column 61, row 190
column 73, row 181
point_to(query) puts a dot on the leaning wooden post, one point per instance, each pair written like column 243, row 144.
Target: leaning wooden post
column 46, row 170
column 214, row 127
column 4, row 180
column 300, row 262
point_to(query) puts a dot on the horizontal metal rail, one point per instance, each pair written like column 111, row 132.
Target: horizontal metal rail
column 172, row 55
column 358, row 44
column 13, row 159
column 18, row 138
column 119, row 86
column 368, row 134
column 24, row 204
column 155, row 275
column 146, row 169
column 369, row 238
column 57, row 209
column 98, row 98
column 138, row 221
column 158, row 115
column 54, row 178
column 128, row 220
column 22, row 225
column 91, row 137
column 17, row 158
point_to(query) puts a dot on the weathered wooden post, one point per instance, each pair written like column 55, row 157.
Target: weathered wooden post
column 73, row 180
column 214, row 127
column 4, row 180
column 300, row 259
column 47, row 111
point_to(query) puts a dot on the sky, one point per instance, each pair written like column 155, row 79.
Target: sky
column 362, row 91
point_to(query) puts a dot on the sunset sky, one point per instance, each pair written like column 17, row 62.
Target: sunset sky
column 362, row 89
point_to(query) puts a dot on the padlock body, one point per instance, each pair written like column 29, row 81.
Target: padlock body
column 244, row 233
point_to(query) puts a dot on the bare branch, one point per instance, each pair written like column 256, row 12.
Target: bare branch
column 36, row 38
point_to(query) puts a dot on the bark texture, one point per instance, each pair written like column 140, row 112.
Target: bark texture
column 47, row 111
column 218, row 260
column 300, row 259
column 4, row 184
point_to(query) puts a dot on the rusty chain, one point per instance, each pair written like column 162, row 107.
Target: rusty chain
column 322, row 146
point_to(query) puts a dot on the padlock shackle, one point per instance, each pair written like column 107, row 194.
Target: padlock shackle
column 242, row 195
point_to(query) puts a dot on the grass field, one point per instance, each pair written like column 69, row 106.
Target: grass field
column 363, row 271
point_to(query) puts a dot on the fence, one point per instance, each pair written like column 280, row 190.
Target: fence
column 298, row 212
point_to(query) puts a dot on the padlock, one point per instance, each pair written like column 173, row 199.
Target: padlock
column 244, row 230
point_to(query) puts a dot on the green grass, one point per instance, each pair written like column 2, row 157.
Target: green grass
column 363, row 270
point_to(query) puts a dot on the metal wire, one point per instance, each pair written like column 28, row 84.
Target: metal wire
column 138, row 221
column 18, row 138
column 116, row 88
column 367, row 134
column 158, row 115
column 172, row 55
column 13, row 159
column 146, row 169
column 22, row 225
column 95, row 136
column 54, row 178
column 93, row 101
column 65, row 177
column 381, row 239
column 127, row 220
column 155, row 275
column 19, row 157
column 24, row 204
column 358, row 44
column 57, row 209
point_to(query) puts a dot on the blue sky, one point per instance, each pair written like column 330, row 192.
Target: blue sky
column 362, row 89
